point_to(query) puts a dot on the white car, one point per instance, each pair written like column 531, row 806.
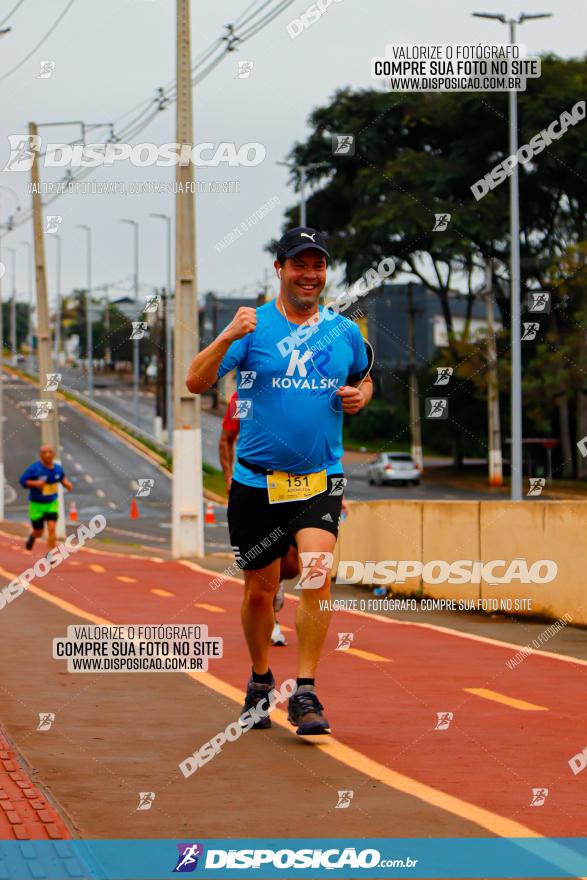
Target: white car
column 393, row 467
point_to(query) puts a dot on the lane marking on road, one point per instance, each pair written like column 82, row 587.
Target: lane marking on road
column 125, row 579
column 100, row 493
column 77, row 466
column 214, row 608
column 496, row 824
column 88, row 478
column 507, row 701
column 99, row 569
column 112, row 505
column 159, row 592
column 132, row 535
column 366, row 655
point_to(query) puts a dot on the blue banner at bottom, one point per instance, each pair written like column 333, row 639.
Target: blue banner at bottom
column 287, row 858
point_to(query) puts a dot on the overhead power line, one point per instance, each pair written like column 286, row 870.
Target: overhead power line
column 166, row 95
column 40, row 43
column 12, row 11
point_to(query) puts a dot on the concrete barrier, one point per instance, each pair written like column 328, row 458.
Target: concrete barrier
column 478, row 530
column 450, row 531
column 546, row 530
column 379, row 530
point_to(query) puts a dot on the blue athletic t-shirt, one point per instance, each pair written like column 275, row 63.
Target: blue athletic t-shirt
column 286, row 382
column 37, row 470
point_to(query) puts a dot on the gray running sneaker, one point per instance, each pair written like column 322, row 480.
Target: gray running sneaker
column 305, row 712
column 255, row 694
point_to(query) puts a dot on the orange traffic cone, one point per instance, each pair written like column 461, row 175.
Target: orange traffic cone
column 73, row 512
column 210, row 516
column 134, row 510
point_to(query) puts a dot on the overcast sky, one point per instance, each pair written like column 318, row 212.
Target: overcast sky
column 112, row 55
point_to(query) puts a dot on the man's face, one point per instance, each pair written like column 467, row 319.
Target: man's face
column 47, row 455
column 303, row 278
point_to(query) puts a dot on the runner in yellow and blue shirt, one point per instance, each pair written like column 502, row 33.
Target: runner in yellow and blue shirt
column 42, row 479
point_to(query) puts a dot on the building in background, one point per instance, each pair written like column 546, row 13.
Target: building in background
column 386, row 310
column 217, row 312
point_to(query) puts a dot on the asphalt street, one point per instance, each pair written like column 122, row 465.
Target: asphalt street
column 105, row 470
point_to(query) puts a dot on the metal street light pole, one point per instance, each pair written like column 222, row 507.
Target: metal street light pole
column 515, row 304
column 135, row 342
column 2, row 272
column 89, row 328
column 107, row 347
column 301, row 171
column 12, row 251
column 168, row 335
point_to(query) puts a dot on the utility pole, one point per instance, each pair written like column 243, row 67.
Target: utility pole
column 168, row 334
column 50, row 424
column 136, row 351
column 516, row 463
column 58, row 300
column 89, row 327
column 493, row 417
column 29, row 320
column 415, row 423
column 187, row 495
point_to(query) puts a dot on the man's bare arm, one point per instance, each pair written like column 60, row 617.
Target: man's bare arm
column 203, row 371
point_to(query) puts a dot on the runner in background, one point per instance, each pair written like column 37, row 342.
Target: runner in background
column 41, row 478
column 289, row 563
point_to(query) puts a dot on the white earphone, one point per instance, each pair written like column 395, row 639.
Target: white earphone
column 279, row 273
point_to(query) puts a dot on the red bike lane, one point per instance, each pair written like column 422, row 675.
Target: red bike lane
column 516, row 732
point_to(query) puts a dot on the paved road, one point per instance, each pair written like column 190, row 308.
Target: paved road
column 111, row 392
column 103, row 469
column 512, row 730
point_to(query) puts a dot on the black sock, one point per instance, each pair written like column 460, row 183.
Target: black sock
column 302, row 681
column 266, row 678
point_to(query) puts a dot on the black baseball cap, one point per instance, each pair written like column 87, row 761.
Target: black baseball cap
column 299, row 239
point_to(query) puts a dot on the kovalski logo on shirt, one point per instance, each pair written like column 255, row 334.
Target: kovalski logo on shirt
column 298, row 364
column 298, row 361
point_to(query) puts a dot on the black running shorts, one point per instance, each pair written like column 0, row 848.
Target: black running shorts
column 261, row 532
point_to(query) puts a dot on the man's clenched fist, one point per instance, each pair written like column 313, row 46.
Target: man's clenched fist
column 243, row 322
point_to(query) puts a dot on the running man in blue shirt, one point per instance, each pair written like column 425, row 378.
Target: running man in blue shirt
column 42, row 478
column 299, row 368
